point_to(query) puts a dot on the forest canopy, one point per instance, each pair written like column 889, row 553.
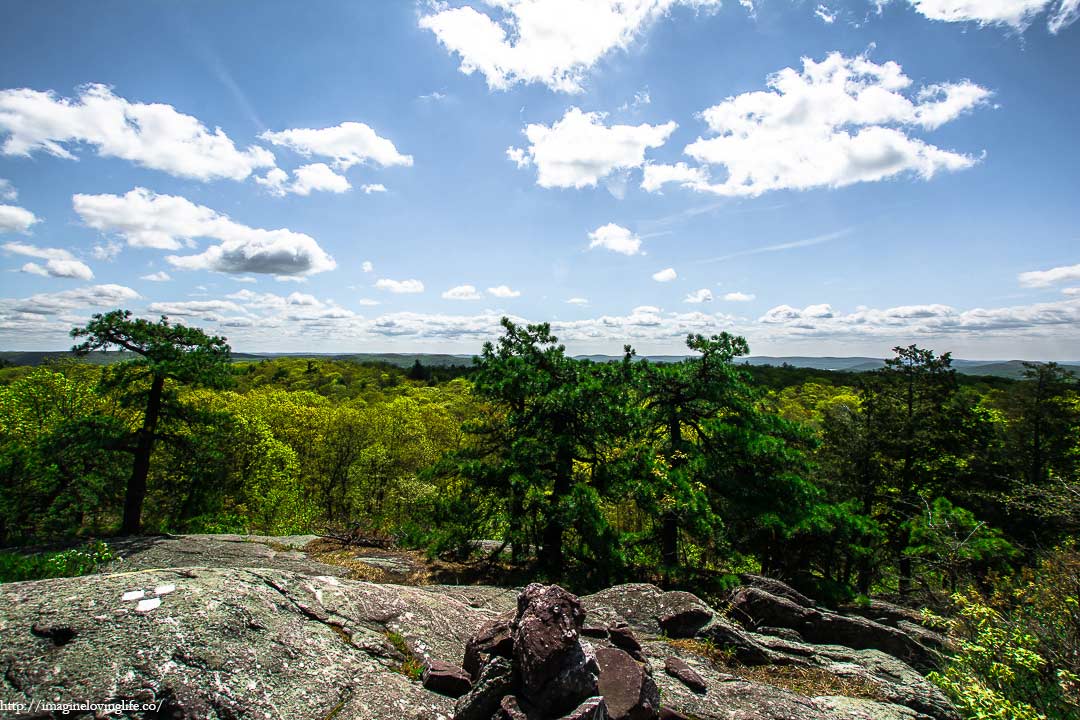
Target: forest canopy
column 903, row 481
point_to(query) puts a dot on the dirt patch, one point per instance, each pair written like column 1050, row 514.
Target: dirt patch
column 806, row 681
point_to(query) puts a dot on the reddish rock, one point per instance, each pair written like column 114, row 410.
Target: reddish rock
column 491, row 640
column 678, row 669
column 627, row 687
column 592, row 709
column 446, row 679
column 683, row 614
column 623, row 638
column 667, row 713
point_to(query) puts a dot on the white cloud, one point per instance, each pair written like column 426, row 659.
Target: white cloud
column 107, row 250
column 373, row 188
column 347, row 144
column 579, row 150
column 367, row 266
column 554, row 42
column 7, row 190
column 59, row 262
column 1043, row 278
column 738, row 297
column 462, row 292
column 400, row 286
column 160, row 276
column 367, row 301
column 275, row 181
column 834, row 123
column 154, row 135
column 1068, row 11
column 519, row 156
column 207, row 309
column 913, row 321
column 75, row 269
column 1071, row 291
column 308, row 178
column 578, row 301
column 699, row 296
column 615, row 238
column 16, row 219
column 665, row 275
column 146, row 219
column 54, row 303
column 503, row 291
column 656, row 176
column 1017, row 14
column 825, row 15
column 318, row 176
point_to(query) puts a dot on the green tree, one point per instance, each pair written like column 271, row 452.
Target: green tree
column 537, row 445
column 918, row 434
column 168, row 353
column 1043, row 443
column 679, row 399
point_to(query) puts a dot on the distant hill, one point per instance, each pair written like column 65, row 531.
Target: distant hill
column 996, row 368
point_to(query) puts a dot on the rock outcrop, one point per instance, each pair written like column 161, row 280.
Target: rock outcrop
column 219, row 643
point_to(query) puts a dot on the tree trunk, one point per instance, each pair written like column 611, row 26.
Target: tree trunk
column 669, row 539
column 669, row 524
column 144, row 448
column 551, row 554
column 904, row 565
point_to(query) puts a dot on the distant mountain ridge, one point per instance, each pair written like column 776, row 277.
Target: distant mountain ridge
column 997, row 368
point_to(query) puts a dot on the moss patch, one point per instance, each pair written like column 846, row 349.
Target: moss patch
column 806, row 681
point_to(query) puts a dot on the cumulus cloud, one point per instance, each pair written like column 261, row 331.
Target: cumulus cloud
column 834, row 123
column 699, row 296
column 16, row 219
column 318, row 176
column 347, row 144
column 400, row 286
column 373, row 188
column 211, row 309
column 153, row 135
column 1016, row 14
column 59, row 262
column 665, row 275
column 909, row 321
column 615, row 238
column 1073, row 291
column 91, row 296
column 578, row 301
column 553, row 42
column 1044, row 278
column 307, row 178
column 656, row 175
column 160, row 276
column 738, row 297
column 579, row 150
column 7, row 190
column 146, row 219
column 503, row 291
column 367, row 266
column 462, row 292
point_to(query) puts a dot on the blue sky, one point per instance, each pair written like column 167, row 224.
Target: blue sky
column 823, row 178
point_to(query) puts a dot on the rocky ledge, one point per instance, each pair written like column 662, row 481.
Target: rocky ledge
column 227, row 643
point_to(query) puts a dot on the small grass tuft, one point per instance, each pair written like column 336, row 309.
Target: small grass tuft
column 411, row 666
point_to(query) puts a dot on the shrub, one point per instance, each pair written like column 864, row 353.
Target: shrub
column 1018, row 654
column 16, row 567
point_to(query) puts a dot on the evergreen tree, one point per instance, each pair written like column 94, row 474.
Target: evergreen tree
column 167, row 354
